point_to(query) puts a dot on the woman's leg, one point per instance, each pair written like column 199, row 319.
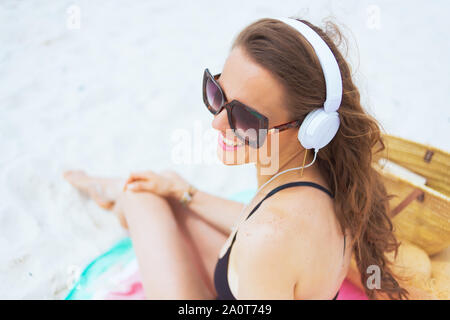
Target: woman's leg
column 166, row 261
column 204, row 240
column 207, row 241
column 104, row 191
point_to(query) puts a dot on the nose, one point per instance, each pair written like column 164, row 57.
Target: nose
column 220, row 121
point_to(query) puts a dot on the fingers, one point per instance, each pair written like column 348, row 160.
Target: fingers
column 158, row 183
column 139, row 176
column 145, row 175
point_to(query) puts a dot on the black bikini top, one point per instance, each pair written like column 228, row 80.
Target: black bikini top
column 221, row 271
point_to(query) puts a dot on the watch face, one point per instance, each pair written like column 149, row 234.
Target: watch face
column 187, row 196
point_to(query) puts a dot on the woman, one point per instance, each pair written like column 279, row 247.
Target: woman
column 297, row 235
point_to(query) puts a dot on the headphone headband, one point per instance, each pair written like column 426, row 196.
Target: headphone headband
column 330, row 67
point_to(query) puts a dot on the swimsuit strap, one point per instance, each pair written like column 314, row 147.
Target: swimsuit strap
column 285, row 186
column 290, row 185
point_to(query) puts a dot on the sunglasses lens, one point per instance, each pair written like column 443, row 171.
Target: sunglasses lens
column 214, row 95
column 247, row 124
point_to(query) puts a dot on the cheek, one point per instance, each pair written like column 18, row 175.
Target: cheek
column 284, row 138
column 273, row 143
column 220, row 121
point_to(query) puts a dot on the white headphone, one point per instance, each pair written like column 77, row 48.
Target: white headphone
column 320, row 126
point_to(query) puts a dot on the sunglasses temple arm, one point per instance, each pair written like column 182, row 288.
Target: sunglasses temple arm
column 285, row 126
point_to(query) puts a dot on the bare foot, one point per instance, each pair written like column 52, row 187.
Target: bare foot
column 104, row 191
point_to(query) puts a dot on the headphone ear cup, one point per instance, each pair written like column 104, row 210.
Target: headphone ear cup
column 318, row 129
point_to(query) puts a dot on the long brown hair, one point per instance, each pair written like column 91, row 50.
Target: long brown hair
column 361, row 200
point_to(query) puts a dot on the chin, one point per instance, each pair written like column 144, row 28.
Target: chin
column 233, row 158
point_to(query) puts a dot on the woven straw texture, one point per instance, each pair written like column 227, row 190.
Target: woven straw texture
column 424, row 222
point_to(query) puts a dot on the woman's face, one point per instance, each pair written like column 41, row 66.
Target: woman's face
column 247, row 82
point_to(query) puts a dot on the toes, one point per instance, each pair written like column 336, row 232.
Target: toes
column 74, row 176
column 69, row 173
column 79, row 179
column 100, row 190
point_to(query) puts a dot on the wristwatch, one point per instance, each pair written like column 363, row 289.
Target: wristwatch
column 187, row 195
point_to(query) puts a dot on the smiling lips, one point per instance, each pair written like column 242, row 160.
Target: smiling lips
column 227, row 144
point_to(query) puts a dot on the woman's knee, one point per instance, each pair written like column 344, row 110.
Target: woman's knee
column 143, row 196
column 131, row 200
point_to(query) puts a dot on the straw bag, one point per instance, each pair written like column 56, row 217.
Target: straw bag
column 420, row 213
column 422, row 277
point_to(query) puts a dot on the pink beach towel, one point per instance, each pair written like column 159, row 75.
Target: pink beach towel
column 131, row 289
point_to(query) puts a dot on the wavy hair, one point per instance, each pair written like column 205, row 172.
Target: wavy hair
column 361, row 200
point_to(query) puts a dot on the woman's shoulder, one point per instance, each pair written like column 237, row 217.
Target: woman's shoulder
column 303, row 204
column 280, row 220
column 290, row 215
column 294, row 227
column 264, row 247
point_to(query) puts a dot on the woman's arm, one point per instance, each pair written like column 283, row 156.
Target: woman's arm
column 221, row 213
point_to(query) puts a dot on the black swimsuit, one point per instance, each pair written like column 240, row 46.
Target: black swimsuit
column 221, row 270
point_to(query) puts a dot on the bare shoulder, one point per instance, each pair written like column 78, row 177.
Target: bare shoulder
column 264, row 262
column 285, row 236
column 291, row 214
column 302, row 207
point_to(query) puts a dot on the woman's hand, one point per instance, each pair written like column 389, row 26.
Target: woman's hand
column 166, row 184
column 221, row 213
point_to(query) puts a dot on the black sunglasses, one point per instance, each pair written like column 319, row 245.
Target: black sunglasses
column 248, row 125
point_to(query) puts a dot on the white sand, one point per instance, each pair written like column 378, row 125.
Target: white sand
column 101, row 98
